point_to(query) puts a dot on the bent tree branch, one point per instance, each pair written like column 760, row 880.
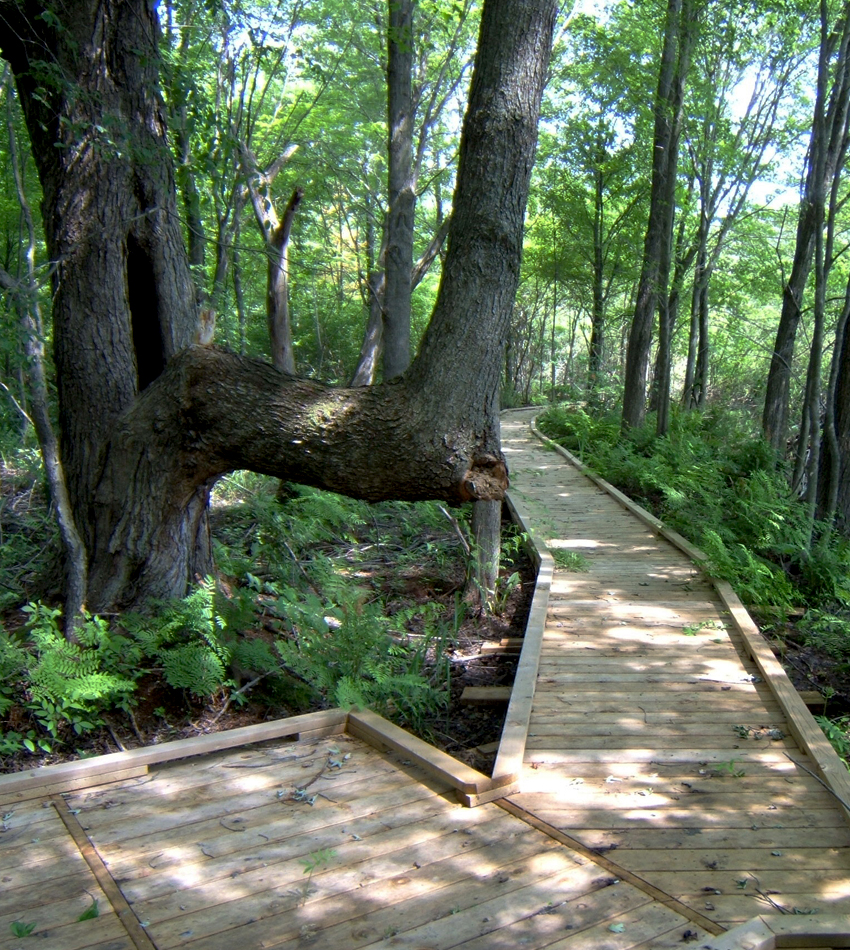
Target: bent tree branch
column 149, row 421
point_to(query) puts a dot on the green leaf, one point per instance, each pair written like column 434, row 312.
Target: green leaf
column 90, row 912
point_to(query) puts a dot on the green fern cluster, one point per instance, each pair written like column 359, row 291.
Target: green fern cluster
column 187, row 639
column 65, row 685
column 348, row 655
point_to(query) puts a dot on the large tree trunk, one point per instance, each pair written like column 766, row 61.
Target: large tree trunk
column 149, row 421
column 123, row 297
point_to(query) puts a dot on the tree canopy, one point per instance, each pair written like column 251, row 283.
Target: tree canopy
column 304, row 184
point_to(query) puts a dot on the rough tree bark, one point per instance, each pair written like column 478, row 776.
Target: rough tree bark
column 149, row 421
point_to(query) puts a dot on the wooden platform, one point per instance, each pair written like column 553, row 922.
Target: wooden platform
column 662, row 733
column 295, row 842
column 658, row 785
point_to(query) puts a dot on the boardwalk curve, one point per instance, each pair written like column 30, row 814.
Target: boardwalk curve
column 654, row 739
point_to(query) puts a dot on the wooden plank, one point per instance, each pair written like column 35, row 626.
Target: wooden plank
column 505, row 645
column 35, row 790
column 826, row 882
column 642, row 926
column 381, row 831
column 29, row 891
column 686, row 815
column 733, row 860
column 273, row 826
column 485, row 695
column 727, row 744
column 413, row 918
column 57, row 928
column 639, row 683
column 508, row 921
column 508, row 764
column 343, row 893
column 629, row 724
column 678, row 700
column 176, row 791
column 803, row 727
column 735, row 907
column 377, row 731
column 660, row 837
column 606, row 863
column 113, row 893
column 237, row 809
column 56, row 776
column 625, row 714
column 696, row 758
column 381, row 855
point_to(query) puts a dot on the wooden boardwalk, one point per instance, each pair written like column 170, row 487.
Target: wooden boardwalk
column 658, row 786
column 654, row 738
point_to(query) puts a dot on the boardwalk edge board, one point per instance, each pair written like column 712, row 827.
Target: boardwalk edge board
column 105, row 768
column 508, row 765
column 472, row 787
column 773, row 931
column 805, row 730
column 378, row 732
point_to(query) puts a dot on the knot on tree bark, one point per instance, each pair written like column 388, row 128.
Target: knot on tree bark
column 485, row 480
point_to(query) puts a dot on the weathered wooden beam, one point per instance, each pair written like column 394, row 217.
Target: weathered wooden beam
column 484, row 695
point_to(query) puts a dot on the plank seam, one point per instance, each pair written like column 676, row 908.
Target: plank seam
column 123, row 911
column 619, row 872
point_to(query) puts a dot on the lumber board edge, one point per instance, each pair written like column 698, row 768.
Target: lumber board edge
column 378, row 732
column 772, row 931
column 514, row 736
column 805, row 730
column 101, row 768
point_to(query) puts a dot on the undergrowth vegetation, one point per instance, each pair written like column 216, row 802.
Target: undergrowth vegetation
column 311, row 608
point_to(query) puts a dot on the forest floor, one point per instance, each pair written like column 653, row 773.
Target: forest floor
column 401, row 572
column 809, row 668
column 468, row 732
column 405, row 574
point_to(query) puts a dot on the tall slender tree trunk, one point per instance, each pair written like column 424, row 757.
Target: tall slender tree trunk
column 402, row 196
column 836, row 437
column 596, row 353
column 277, row 289
column 832, row 103
column 679, row 34
column 25, row 293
